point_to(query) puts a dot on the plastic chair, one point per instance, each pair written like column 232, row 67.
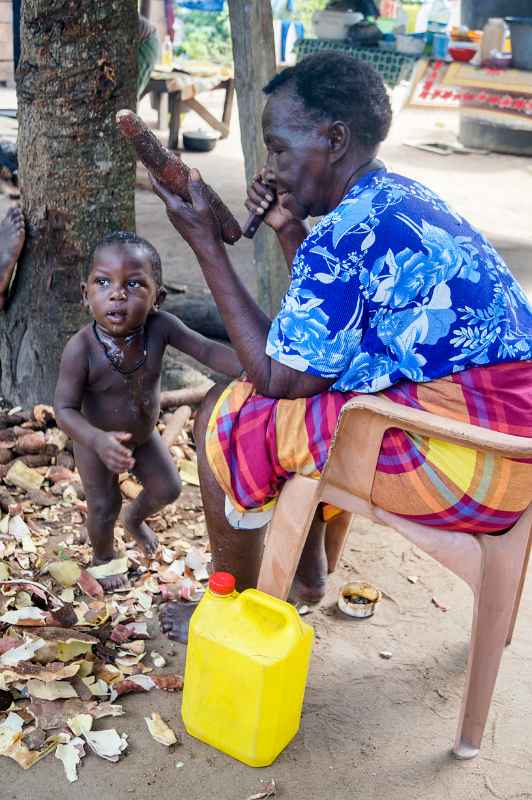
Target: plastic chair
column 493, row 566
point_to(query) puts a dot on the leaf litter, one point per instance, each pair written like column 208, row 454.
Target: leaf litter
column 68, row 651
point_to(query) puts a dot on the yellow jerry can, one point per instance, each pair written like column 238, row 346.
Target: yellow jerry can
column 247, row 663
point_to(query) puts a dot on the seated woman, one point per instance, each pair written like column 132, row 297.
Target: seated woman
column 391, row 292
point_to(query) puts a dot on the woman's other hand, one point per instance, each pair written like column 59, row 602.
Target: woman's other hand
column 195, row 221
column 264, row 199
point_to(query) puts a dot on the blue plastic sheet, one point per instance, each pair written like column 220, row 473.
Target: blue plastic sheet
column 201, row 5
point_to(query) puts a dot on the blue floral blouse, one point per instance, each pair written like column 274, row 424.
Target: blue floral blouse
column 394, row 284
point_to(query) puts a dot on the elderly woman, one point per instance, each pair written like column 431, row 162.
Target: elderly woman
column 392, row 291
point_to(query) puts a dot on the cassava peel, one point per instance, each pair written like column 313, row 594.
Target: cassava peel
column 168, row 168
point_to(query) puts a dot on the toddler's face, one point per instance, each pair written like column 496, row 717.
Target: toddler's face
column 120, row 290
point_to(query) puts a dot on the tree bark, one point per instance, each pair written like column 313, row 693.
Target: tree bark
column 77, row 174
column 254, row 57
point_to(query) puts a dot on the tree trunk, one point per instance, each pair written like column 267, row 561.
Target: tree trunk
column 77, row 175
column 254, row 57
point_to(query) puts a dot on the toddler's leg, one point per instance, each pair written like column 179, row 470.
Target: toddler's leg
column 104, row 502
column 157, row 472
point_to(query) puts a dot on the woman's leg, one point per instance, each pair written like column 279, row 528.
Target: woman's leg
column 235, row 551
column 311, row 574
column 240, row 552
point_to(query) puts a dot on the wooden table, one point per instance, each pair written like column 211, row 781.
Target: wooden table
column 502, row 97
column 174, row 93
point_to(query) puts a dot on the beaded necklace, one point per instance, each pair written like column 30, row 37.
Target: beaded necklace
column 128, row 339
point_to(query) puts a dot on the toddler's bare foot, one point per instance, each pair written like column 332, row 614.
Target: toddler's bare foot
column 142, row 534
column 114, row 582
column 12, row 235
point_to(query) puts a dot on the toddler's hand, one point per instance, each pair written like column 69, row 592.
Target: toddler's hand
column 113, row 453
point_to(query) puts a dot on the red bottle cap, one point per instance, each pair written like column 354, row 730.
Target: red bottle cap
column 222, row 583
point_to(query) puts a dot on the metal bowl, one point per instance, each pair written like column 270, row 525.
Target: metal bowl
column 358, row 600
column 199, row 141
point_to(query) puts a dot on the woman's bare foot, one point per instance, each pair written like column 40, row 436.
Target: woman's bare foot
column 12, row 235
column 114, row 582
column 142, row 534
column 311, row 575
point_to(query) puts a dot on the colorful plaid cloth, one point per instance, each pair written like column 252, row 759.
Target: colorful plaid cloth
column 255, row 443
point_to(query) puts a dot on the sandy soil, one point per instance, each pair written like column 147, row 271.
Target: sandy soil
column 371, row 728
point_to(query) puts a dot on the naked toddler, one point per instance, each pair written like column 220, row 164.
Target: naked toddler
column 108, row 391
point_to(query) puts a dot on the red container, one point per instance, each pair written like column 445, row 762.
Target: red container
column 462, row 53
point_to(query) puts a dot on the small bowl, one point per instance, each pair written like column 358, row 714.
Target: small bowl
column 199, row 141
column 498, row 61
column 464, row 53
column 358, row 600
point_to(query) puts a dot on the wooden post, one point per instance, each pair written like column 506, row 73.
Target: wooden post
column 254, row 58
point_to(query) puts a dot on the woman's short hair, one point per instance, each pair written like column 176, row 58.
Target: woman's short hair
column 339, row 87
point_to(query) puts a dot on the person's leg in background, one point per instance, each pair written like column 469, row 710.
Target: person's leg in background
column 16, row 9
column 148, row 55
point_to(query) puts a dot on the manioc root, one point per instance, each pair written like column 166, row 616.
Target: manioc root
column 31, row 443
column 32, row 461
column 176, row 424
column 8, row 420
column 190, row 395
column 6, row 455
column 65, row 459
column 170, row 170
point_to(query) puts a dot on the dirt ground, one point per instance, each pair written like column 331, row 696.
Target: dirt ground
column 371, row 728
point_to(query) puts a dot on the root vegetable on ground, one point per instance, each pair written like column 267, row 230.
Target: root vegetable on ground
column 176, row 424
column 190, row 395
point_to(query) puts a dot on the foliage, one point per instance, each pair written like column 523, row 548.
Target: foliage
column 207, row 36
column 304, row 11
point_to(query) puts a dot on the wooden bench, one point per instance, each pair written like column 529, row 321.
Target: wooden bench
column 174, row 93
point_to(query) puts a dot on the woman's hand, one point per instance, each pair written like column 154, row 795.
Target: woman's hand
column 195, row 221
column 263, row 198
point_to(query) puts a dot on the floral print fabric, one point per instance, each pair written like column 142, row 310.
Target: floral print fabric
column 394, row 284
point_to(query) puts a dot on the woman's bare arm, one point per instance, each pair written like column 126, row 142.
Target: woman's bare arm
column 246, row 324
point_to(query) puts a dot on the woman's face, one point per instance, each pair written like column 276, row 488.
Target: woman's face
column 298, row 155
